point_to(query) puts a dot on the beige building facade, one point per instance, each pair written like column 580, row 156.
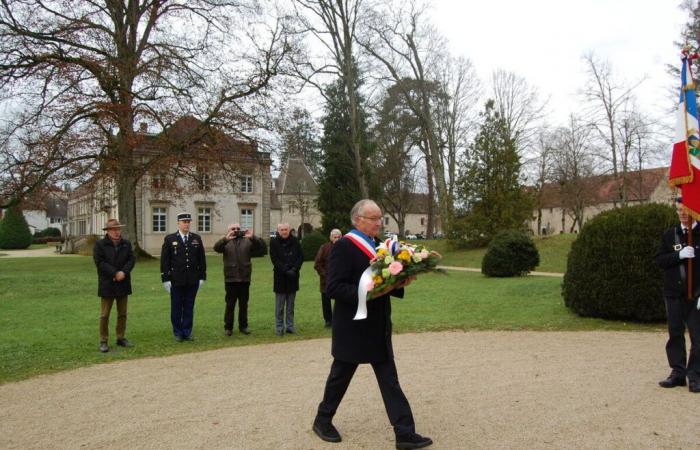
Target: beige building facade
column 645, row 186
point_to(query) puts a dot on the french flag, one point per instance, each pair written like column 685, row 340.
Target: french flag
column 685, row 159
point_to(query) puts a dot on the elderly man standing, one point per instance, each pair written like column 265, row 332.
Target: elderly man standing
column 237, row 246
column 321, row 267
column 183, row 270
column 363, row 341
column 285, row 253
column 681, row 308
column 115, row 260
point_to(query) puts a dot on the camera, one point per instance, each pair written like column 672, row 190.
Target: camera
column 239, row 233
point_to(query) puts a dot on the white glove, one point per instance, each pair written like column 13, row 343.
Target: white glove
column 167, row 285
column 201, row 283
column 698, row 303
column 686, row 252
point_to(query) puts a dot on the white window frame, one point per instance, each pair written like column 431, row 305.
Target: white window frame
column 247, row 184
column 247, row 218
column 159, row 218
column 204, row 219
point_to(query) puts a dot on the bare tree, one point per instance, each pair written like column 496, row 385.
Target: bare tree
column 573, row 167
column 608, row 100
column 408, row 49
column 542, row 169
column 81, row 75
column 337, row 31
column 519, row 105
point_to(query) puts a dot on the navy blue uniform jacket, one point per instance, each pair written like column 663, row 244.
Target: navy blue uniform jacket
column 183, row 265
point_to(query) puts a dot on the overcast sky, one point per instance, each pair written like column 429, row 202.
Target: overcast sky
column 543, row 41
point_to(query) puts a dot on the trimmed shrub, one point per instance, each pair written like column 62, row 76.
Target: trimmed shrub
column 48, row 232
column 311, row 243
column 14, row 231
column 611, row 273
column 510, row 253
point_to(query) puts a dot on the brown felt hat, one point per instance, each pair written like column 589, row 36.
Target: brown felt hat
column 112, row 223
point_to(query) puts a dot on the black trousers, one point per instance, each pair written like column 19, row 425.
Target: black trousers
column 683, row 314
column 236, row 291
column 395, row 402
column 326, row 306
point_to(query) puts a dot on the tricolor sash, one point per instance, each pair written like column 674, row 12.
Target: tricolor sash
column 366, row 277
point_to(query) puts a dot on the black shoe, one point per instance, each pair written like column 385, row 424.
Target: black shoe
column 228, row 332
column 328, row 325
column 291, row 331
column 413, row 440
column 279, row 332
column 188, row 338
column 327, row 432
column 672, row 381
column 124, row 342
column 104, row 348
column 245, row 331
column 179, row 338
column 694, row 386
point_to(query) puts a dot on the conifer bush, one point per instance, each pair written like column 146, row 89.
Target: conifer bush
column 510, row 254
column 611, row 272
column 14, row 231
column 311, row 243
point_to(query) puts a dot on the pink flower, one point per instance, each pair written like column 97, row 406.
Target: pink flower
column 395, row 268
column 370, row 286
column 424, row 254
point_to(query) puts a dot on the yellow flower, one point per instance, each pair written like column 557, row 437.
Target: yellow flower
column 404, row 255
column 377, row 280
column 381, row 252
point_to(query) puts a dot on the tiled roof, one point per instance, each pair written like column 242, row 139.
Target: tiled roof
column 295, row 177
column 604, row 188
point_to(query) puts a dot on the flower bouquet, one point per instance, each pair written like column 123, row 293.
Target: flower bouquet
column 397, row 261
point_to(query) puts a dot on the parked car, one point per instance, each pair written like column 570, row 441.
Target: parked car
column 411, row 237
column 420, row 236
column 389, row 235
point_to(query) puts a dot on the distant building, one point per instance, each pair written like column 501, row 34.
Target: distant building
column 645, row 186
column 45, row 210
column 214, row 199
column 416, row 220
column 294, row 197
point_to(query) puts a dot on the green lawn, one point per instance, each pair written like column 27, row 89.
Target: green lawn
column 553, row 253
column 49, row 311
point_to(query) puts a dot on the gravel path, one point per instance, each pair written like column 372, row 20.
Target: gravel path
column 468, row 390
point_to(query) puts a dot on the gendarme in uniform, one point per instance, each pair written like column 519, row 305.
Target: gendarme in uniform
column 183, row 269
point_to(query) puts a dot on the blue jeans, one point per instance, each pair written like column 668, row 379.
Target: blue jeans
column 182, row 309
column 284, row 303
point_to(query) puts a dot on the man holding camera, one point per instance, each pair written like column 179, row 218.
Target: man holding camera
column 237, row 247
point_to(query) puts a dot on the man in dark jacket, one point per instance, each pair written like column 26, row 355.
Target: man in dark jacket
column 114, row 259
column 321, row 267
column 183, row 270
column 681, row 308
column 237, row 246
column 363, row 341
column 285, row 253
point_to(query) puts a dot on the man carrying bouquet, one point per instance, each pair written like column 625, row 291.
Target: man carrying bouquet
column 366, row 341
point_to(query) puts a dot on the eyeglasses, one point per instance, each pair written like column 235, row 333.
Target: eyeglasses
column 234, row 229
column 372, row 219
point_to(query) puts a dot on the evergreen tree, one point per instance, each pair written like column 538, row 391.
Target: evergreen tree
column 14, row 231
column 489, row 184
column 339, row 188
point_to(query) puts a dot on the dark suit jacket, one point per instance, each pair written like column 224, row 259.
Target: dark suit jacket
column 675, row 283
column 358, row 341
column 287, row 259
column 183, row 265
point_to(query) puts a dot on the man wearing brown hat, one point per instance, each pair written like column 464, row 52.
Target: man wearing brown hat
column 115, row 260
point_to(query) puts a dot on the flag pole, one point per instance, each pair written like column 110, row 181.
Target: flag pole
column 689, row 225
